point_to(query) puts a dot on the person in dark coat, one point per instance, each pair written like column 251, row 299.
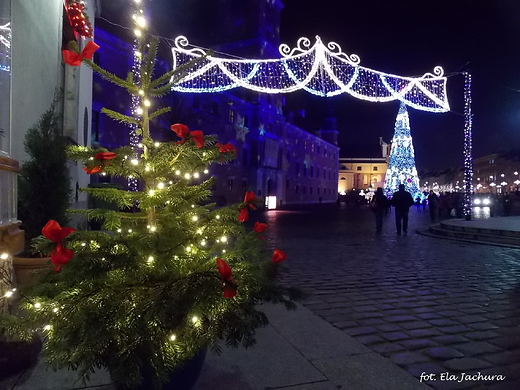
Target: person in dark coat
column 402, row 201
column 379, row 205
column 433, row 205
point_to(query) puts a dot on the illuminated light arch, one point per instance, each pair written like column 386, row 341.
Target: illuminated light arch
column 322, row 70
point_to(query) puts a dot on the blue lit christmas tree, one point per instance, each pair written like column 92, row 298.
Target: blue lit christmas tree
column 401, row 163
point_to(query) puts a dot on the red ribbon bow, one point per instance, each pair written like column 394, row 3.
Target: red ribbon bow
column 226, row 148
column 74, row 59
column 183, row 131
column 259, row 227
column 102, row 157
column 279, row 256
column 54, row 232
column 228, row 284
column 248, row 199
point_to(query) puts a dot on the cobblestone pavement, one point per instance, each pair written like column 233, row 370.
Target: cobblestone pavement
column 432, row 306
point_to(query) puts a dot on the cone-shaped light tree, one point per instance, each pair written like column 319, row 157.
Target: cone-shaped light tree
column 168, row 274
column 401, row 162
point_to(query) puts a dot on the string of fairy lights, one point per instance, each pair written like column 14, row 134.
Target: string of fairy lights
column 135, row 139
column 320, row 69
column 468, row 158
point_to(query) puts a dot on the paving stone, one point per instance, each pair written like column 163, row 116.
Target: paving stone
column 450, row 339
column 442, row 353
column 418, row 344
column 454, row 329
column 422, row 310
column 345, row 324
column 415, row 325
column 393, row 336
column 465, row 364
column 369, row 339
column 502, row 358
column 449, row 313
column 482, row 326
column 408, row 358
column 372, row 321
column 400, row 318
column 362, row 330
column 506, row 342
column 386, row 348
column 469, row 319
column 484, row 335
column 424, row 332
column 388, row 327
column 473, row 348
column 429, row 368
column 443, row 322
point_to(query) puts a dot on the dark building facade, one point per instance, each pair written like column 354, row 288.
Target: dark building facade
column 275, row 157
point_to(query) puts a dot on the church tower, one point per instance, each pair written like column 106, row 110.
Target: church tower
column 329, row 131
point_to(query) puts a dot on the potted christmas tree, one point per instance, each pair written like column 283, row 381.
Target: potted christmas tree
column 43, row 186
column 158, row 285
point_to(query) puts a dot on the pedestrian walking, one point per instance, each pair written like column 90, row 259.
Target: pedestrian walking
column 402, row 201
column 433, row 205
column 379, row 206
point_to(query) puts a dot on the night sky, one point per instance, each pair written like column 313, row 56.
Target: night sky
column 407, row 38
column 410, row 38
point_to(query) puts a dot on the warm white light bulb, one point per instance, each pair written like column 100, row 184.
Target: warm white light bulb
column 150, row 259
column 173, row 337
column 141, row 21
column 134, row 161
column 187, row 176
column 4, row 256
column 37, row 305
column 194, row 319
column 151, row 192
column 157, row 144
column 195, row 175
column 194, row 218
column 206, row 171
column 177, row 172
column 147, row 103
column 160, row 186
column 223, row 239
column 139, row 111
column 137, row 32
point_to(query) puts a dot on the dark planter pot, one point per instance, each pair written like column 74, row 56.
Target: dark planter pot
column 16, row 356
column 183, row 378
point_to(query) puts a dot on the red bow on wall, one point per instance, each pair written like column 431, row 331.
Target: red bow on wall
column 228, row 284
column 74, row 59
column 183, row 131
column 54, row 232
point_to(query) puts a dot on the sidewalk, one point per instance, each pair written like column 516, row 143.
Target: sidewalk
column 297, row 351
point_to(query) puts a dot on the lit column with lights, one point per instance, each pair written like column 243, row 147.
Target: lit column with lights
column 468, row 159
column 137, row 111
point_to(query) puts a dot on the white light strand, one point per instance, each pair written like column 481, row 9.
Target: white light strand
column 321, row 70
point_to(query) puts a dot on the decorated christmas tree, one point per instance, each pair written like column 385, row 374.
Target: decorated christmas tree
column 168, row 274
column 401, row 162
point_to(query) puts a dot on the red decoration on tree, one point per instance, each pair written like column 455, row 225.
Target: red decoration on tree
column 183, row 131
column 259, row 227
column 248, row 199
column 228, row 284
column 54, row 232
column 226, row 148
column 102, row 157
column 279, row 256
column 78, row 18
column 74, row 59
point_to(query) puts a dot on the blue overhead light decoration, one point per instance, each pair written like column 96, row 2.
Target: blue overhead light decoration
column 322, row 70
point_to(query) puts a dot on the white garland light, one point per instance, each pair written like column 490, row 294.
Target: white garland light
column 321, row 70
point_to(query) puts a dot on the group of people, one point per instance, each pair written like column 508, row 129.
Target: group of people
column 401, row 200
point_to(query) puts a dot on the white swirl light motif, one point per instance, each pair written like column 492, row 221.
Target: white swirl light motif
column 318, row 69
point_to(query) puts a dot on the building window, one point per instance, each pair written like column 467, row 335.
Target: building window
column 318, row 190
column 324, row 173
column 244, row 186
column 318, row 149
column 318, row 173
column 325, row 152
column 358, row 168
column 375, row 168
column 287, row 184
column 214, row 108
column 342, row 178
column 246, row 121
column 310, row 190
column 297, row 170
column 330, row 175
column 296, row 189
column 288, row 156
column 312, row 171
column 230, row 185
column 304, row 169
column 269, row 127
column 231, row 116
column 304, row 189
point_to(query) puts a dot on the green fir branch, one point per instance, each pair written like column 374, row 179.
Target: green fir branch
column 121, row 118
column 159, row 112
